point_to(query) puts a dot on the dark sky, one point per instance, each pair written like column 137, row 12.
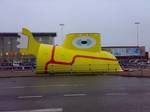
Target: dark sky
column 114, row 19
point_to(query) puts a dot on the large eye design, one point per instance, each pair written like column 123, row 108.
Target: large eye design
column 84, row 42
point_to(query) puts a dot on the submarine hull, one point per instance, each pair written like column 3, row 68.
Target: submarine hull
column 56, row 59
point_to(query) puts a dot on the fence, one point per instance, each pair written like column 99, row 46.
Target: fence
column 16, row 68
column 135, row 70
column 79, row 68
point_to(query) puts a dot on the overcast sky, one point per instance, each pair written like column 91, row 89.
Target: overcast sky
column 114, row 19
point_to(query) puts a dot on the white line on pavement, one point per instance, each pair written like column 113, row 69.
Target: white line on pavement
column 148, row 93
column 39, row 110
column 24, row 97
column 41, row 86
column 18, row 87
column 116, row 94
column 71, row 95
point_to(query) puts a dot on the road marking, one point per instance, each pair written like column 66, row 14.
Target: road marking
column 116, row 94
column 25, row 97
column 39, row 110
column 72, row 95
column 18, row 87
column 148, row 93
column 42, row 86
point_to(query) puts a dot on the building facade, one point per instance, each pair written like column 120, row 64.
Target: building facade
column 128, row 54
column 8, row 43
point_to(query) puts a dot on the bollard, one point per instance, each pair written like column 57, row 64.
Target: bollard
column 71, row 70
column 52, row 68
column 12, row 68
column 141, row 72
column 90, row 68
column 108, row 67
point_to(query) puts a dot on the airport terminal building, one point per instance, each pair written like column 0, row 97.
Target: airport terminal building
column 126, row 54
column 9, row 51
column 8, row 43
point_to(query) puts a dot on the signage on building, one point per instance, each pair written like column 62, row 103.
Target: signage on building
column 125, row 51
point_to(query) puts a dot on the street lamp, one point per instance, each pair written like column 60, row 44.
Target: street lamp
column 62, row 30
column 137, row 33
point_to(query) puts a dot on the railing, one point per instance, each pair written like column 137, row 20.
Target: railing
column 82, row 68
column 16, row 68
column 55, row 68
column 87, row 69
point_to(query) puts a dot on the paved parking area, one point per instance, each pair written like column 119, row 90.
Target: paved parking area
column 75, row 94
column 130, row 73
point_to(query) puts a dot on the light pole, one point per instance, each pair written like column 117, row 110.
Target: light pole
column 62, row 31
column 137, row 33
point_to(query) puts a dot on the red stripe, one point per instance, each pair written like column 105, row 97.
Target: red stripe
column 52, row 61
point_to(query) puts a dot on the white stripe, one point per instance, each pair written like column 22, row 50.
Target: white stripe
column 18, row 87
column 116, row 94
column 148, row 93
column 39, row 110
column 23, row 97
column 69, row 95
column 40, row 86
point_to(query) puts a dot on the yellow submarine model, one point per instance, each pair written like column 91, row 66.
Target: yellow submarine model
column 80, row 53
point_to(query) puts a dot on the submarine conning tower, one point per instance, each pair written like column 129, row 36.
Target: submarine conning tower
column 90, row 42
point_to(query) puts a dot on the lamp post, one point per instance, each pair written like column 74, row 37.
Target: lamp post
column 137, row 33
column 62, row 30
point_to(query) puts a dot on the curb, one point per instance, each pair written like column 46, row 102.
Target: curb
column 10, row 74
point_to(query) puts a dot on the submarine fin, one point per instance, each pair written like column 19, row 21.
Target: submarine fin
column 27, row 44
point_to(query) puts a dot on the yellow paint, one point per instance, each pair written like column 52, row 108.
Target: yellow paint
column 68, row 41
column 33, row 46
column 81, row 52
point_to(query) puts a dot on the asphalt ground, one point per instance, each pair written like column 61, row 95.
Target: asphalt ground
column 75, row 94
column 129, row 73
